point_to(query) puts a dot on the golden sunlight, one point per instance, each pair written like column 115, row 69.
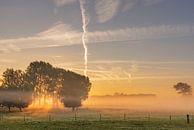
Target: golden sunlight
column 45, row 102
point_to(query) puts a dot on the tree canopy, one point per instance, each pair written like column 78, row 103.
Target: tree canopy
column 183, row 88
column 41, row 78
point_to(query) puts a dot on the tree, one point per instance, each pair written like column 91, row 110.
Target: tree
column 71, row 87
column 41, row 79
column 183, row 88
column 13, row 79
column 13, row 91
column 74, row 88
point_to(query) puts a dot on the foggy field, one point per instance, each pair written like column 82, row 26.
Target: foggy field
column 96, row 65
column 95, row 119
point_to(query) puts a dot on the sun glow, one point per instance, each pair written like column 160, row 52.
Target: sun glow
column 46, row 102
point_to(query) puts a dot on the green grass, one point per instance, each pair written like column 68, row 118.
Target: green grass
column 94, row 125
column 90, row 120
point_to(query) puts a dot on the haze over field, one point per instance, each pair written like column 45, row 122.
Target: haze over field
column 133, row 51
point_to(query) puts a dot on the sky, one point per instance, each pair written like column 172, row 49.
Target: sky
column 134, row 46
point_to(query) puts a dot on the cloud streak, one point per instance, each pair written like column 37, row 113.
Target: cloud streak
column 64, row 35
column 129, row 70
column 141, row 33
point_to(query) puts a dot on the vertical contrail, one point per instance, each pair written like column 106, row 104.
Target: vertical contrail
column 85, row 21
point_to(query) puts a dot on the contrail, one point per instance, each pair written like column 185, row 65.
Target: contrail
column 85, row 21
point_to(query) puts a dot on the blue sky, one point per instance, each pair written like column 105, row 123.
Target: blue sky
column 26, row 17
column 129, row 41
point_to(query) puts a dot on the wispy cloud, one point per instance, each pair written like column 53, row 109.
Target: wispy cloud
column 107, row 9
column 139, row 62
column 141, row 33
column 128, row 5
column 131, row 70
column 63, row 35
column 63, row 2
column 58, row 35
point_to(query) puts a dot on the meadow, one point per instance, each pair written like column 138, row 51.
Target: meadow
column 95, row 119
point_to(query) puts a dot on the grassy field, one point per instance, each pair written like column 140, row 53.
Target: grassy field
column 93, row 120
column 95, row 125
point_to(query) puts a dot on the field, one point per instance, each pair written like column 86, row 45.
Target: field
column 95, row 125
column 86, row 119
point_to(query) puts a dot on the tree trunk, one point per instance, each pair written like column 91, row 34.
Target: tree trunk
column 73, row 108
column 9, row 108
column 20, row 109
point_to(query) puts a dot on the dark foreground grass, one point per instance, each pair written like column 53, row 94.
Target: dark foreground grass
column 95, row 125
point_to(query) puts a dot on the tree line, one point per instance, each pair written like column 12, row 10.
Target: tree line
column 18, row 87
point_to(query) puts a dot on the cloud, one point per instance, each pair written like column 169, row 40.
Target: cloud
column 128, row 5
column 61, row 34
column 131, row 4
column 63, row 2
column 106, row 9
column 58, row 35
column 139, row 62
column 130, row 70
column 141, row 33
column 9, row 47
column 99, row 72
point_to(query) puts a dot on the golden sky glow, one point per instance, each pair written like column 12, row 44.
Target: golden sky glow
column 133, row 47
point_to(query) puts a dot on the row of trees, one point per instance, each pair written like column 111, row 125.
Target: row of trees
column 41, row 78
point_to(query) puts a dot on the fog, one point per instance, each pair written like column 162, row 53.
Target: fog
column 141, row 103
column 15, row 96
column 134, row 102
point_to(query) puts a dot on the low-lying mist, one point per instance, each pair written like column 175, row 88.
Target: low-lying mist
column 141, row 103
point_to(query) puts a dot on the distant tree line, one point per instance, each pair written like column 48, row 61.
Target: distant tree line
column 18, row 87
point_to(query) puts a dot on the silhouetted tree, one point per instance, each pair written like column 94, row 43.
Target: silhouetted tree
column 13, row 90
column 39, row 76
column 74, row 88
column 71, row 87
column 42, row 78
column 13, row 79
column 183, row 88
